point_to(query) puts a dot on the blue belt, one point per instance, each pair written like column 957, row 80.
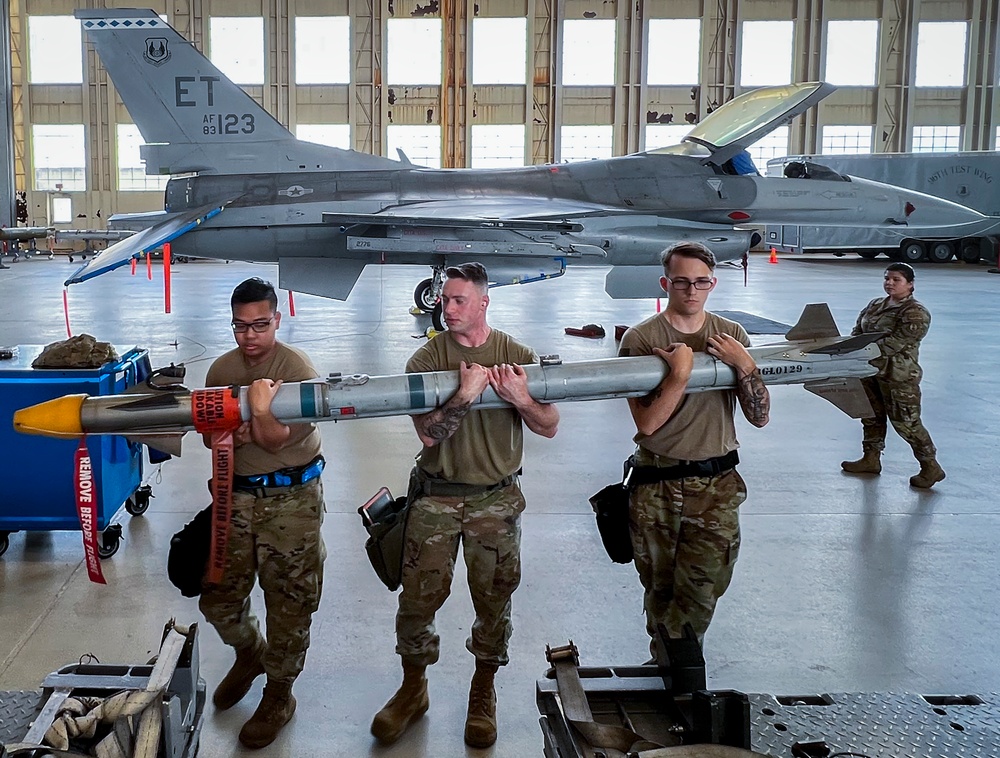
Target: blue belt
column 286, row 477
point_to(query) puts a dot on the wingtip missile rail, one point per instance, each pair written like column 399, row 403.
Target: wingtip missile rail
column 827, row 364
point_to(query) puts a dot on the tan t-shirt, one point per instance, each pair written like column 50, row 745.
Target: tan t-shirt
column 288, row 364
column 488, row 444
column 702, row 425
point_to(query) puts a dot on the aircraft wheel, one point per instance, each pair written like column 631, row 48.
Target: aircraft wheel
column 869, row 254
column 111, row 540
column 437, row 317
column 423, row 296
column 4, row 542
column 912, row 251
column 940, row 252
column 969, row 251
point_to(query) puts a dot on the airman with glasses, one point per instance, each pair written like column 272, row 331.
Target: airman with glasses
column 686, row 493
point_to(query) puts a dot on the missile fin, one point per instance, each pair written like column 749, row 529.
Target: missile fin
column 846, row 394
column 165, row 443
column 148, row 401
column 816, row 322
column 848, row 344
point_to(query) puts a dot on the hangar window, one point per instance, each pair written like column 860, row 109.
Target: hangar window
column 674, row 51
column 132, row 175
column 322, row 50
column 58, row 153
column 767, row 53
column 773, row 145
column 838, row 140
column 421, row 143
column 497, row 145
column 664, row 135
column 936, row 139
column 852, row 53
column 588, row 58
column 941, row 53
column 413, row 51
column 334, row 135
column 55, row 50
column 586, row 143
column 499, row 50
column 237, row 48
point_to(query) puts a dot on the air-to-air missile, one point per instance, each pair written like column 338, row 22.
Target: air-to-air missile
column 815, row 355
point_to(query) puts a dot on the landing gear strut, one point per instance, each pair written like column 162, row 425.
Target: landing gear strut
column 428, row 292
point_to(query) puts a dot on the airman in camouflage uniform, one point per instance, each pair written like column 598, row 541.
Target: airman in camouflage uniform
column 685, row 539
column 894, row 392
column 274, row 532
column 686, row 492
column 464, row 492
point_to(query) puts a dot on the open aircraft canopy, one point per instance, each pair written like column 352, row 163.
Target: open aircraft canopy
column 745, row 119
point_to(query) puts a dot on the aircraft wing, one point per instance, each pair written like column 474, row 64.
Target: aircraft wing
column 148, row 239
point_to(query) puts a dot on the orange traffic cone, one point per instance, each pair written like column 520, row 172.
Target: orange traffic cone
column 774, row 256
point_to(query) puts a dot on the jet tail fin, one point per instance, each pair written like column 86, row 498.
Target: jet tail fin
column 173, row 92
column 192, row 117
column 846, row 394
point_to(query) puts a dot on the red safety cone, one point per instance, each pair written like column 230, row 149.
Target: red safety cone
column 774, row 256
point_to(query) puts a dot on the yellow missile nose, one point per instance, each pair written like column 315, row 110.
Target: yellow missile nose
column 53, row 418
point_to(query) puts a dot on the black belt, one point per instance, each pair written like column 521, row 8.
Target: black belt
column 440, row 488
column 684, row 469
column 282, row 478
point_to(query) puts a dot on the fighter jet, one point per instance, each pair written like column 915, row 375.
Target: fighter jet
column 324, row 214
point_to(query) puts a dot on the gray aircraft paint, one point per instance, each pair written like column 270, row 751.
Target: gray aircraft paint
column 285, row 201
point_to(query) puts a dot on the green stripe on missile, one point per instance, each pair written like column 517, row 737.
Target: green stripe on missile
column 307, row 399
column 416, row 383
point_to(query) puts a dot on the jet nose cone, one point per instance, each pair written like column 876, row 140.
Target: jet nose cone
column 53, row 418
column 926, row 210
column 915, row 209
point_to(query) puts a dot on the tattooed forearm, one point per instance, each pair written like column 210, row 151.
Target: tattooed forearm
column 442, row 422
column 646, row 401
column 754, row 398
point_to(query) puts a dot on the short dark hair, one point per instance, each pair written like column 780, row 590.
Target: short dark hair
column 694, row 250
column 903, row 268
column 470, row 272
column 254, row 290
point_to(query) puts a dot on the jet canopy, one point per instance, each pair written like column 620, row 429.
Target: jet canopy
column 736, row 125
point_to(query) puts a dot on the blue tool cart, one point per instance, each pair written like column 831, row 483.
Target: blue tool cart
column 37, row 472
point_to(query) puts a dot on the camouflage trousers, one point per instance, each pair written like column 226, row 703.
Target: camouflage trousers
column 489, row 528
column 899, row 403
column 686, row 539
column 277, row 539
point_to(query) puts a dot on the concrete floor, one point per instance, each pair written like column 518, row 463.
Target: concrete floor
column 844, row 583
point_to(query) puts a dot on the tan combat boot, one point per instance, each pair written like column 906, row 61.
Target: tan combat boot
column 869, row 463
column 236, row 684
column 930, row 473
column 481, row 723
column 275, row 710
column 408, row 704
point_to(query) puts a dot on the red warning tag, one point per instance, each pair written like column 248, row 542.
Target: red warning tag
column 86, row 509
column 222, row 503
column 215, row 410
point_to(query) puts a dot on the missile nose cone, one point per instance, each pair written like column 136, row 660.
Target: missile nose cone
column 53, row 418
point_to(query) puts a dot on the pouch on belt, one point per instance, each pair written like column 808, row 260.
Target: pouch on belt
column 384, row 517
column 611, row 509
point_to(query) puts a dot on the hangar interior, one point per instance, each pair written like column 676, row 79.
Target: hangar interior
column 844, row 583
column 555, row 81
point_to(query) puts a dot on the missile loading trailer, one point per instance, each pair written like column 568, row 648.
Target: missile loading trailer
column 663, row 709
column 971, row 179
